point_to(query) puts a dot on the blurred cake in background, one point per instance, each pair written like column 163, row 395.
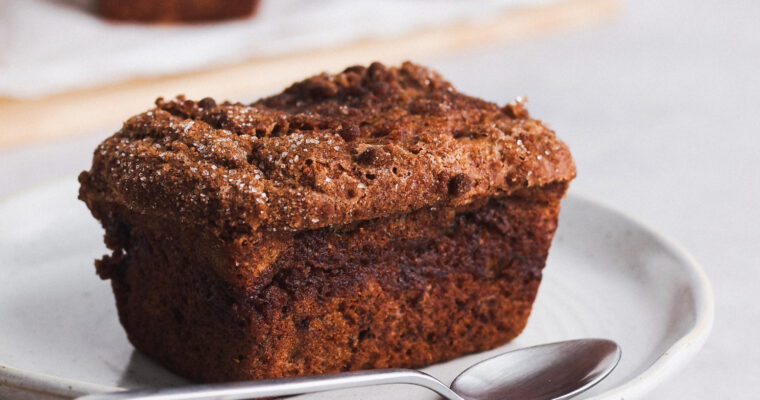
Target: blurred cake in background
column 58, row 56
column 176, row 10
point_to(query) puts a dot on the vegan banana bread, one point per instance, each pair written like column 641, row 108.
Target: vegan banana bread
column 369, row 219
column 176, row 10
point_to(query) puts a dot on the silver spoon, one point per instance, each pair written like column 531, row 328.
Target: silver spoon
column 550, row 371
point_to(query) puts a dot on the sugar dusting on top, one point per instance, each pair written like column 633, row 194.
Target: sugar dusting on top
column 328, row 150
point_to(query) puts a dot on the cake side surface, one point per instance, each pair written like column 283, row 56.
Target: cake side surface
column 330, row 150
column 401, row 291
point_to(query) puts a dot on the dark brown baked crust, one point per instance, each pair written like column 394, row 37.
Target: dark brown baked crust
column 175, row 10
column 374, row 218
column 330, row 150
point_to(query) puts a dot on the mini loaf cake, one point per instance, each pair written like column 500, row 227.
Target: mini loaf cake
column 369, row 219
column 175, row 10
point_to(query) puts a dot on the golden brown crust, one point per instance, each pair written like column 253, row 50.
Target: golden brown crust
column 333, row 149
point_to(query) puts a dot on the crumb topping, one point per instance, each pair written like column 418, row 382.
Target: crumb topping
column 332, row 149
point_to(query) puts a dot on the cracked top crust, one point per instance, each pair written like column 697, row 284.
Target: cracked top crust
column 330, row 150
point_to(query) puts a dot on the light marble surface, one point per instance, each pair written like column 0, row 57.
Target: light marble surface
column 661, row 109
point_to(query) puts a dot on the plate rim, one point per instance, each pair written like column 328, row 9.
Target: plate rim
column 684, row 349
column 671, row 360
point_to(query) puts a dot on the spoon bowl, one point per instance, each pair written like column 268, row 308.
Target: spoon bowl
column 554, row 371
column 546, row 372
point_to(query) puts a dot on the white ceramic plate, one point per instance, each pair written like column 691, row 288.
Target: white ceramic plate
column 607, row 276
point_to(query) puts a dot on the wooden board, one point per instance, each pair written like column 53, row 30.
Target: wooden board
column 82, row 111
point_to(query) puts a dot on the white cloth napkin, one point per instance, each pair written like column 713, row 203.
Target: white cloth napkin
column 49, row 46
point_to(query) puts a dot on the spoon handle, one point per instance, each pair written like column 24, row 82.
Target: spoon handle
column 284, row 387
